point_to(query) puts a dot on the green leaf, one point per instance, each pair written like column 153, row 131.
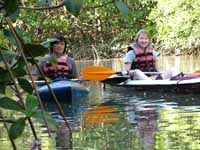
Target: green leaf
column 15, row 15
column 48, row 41
column 17, row 128
column 52, row 60
column 19, row 72
column 25, row 85
column 20, row 63
column 8, row 103
column 50, row 121
column 122, row 7
column 9, row 56
column 31, row 103
column 4, row 76
column 2, row 87
column 32, row 60
column 74, row 6
column 8, row 34
column 11, row 6
column 35, row 50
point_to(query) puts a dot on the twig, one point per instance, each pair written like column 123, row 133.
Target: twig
column 28, row 69
column 54, row 97
column 5, row 125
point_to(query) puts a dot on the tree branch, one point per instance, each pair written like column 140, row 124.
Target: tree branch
column 62, row 4
column 43, row 8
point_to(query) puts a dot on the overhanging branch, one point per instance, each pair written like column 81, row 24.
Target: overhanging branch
column 62, row 4
column 43, row 8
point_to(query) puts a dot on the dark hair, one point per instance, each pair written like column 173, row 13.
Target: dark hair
column 59, row 38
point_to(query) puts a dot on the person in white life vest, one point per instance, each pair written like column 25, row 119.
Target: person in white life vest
column 65, row 66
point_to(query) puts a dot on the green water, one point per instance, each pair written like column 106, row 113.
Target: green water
column 122, row 119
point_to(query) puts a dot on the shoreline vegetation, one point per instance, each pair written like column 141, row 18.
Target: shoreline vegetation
column 106, row 31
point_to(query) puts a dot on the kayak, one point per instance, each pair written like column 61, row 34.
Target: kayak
column 187, row 83
column 65, row 90
column 183, row 83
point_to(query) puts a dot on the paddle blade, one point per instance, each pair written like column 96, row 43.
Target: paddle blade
column 197, row 72
column 97, row 73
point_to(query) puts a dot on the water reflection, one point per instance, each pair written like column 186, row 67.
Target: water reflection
column 161, row 121
column 147, row 126
column 118, row 118
column 100, row 114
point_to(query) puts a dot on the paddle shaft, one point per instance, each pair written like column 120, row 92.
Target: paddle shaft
column 99, row 73
column 147, row 73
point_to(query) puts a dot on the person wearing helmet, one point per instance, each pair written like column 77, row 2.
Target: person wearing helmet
column 57, row 64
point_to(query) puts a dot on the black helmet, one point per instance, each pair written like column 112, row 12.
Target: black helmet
column 58, row 38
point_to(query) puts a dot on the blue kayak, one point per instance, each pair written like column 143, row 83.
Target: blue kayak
column 65, row 90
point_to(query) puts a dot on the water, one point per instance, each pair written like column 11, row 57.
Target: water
column 117, row 118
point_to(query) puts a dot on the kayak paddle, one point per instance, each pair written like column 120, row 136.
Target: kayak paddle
column 99, row 73
column 197, row 72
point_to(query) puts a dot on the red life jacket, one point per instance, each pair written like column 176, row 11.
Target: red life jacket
column 61, row 70
column 144, row 59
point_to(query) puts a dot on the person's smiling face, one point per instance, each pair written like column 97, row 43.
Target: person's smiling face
column 58, row 48
column 143, row 40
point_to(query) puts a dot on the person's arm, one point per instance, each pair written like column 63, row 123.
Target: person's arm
column 36, row 73
column 75, row 72
column 127, row 66
column 128, row 59
column 35, row 78
column 155, row 57
column 74, row 68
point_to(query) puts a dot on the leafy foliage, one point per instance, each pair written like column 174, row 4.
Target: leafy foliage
column 8, row 103
column 39, row 117
column 177, row 26
column 11, row 7
column 74, row 6
column 35, row 50
column 25, row 85
column 92, row 29
column 31, row 105
column 17, row 128
column 122, row 7
column 7, row 55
